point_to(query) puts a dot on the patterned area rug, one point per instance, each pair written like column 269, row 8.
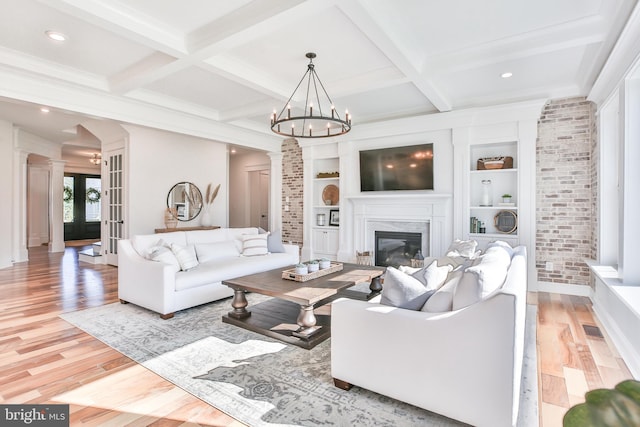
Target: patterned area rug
column 257, row 380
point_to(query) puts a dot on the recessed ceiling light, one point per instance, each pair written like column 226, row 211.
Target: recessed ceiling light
column 54, row 35
column 44, row 109
column 506, row 75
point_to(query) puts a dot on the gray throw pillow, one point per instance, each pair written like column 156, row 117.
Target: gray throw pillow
column 403, row 291
column 274, row 242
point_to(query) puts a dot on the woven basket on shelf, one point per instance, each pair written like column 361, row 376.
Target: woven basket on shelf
column 499, row 162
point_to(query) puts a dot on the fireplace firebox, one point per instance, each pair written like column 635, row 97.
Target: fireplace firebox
column 395, row 248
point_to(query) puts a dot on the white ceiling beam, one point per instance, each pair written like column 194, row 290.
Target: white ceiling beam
column 145, row 71
column 125, row 21
column 241, row 26
column 580, row 33
column 361, row 17
column 251, row 22
column 22, row 63
column 92, row 103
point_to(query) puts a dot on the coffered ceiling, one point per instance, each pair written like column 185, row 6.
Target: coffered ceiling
column 219, row 68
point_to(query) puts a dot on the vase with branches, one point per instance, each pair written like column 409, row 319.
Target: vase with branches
column 209, row 196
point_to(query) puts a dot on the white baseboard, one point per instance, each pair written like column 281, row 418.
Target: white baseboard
column 620, row 321
column 630, row 356
column 563, row 288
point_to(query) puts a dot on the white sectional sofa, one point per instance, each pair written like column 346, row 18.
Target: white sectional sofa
column 149, row 275
column 463, row 363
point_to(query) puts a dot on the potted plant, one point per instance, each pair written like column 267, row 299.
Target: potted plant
column 324, row 263
column 301, row 269
column 617, row 407
column 313, row 265
column 506, row 198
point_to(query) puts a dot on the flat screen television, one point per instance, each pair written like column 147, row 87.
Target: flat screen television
column 397, row 168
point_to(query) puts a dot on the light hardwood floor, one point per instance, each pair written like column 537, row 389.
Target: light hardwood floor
column 43, row 359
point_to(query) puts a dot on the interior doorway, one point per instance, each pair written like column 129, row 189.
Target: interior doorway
column 259, row 182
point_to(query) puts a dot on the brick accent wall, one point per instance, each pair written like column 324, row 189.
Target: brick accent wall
column 292, row 187
column 566, row 217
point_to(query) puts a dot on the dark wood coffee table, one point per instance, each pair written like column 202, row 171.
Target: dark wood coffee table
column 296, row 300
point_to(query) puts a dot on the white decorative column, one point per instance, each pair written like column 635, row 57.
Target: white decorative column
column 629, row 267
column 6, row 190
column 346, row 251
column 19, row 237
column 275, row 194
column 56, row 187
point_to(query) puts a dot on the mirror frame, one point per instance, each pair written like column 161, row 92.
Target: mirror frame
column 189, row 202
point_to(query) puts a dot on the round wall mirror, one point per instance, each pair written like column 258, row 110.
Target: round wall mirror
column 185, row 201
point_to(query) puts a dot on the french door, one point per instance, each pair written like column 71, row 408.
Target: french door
column 114, row 223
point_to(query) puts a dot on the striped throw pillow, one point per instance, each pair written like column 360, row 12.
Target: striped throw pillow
column 186, row 256
column 254, row 244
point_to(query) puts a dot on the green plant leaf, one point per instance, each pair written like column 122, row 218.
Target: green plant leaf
column 619, row 407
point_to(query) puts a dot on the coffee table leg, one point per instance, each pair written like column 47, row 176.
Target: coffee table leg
column 307, row 322
column 239, row 305
column 375, row 286
column 306, row 318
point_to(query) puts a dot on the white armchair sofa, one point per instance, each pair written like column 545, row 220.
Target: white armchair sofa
column 161, row 285
column 465, row 364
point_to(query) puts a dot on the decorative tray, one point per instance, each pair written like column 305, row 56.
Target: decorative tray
column 331, row 195
column 291, row 274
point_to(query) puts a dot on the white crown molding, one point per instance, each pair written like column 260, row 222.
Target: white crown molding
column 527, row 110
column 621, row 60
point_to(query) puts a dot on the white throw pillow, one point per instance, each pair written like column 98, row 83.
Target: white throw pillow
column 403, row 291
column 148, row 252
column 435, row 276
column 217, row 250
column 491, row 269
column 255, row 244
column 409, row 270
column 467, row 292
column 502, row 244
column 186, row 256
column 463, row 248
column 164, row 255
column 442, row 299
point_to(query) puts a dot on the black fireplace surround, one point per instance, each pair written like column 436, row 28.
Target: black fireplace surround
column 395, row 248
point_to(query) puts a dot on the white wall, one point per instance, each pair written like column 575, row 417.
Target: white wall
column 158, row 160
column 239, row 186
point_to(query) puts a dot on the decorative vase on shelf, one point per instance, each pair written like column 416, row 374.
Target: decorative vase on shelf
column 209, row 197
column 486, row 197
column 170, row 220
column 205, row 221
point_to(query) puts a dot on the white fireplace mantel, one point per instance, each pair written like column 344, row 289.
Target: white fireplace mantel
column 433, row 210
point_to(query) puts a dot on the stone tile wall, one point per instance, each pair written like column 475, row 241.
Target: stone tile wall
column 292, row 187
column 566, row 217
